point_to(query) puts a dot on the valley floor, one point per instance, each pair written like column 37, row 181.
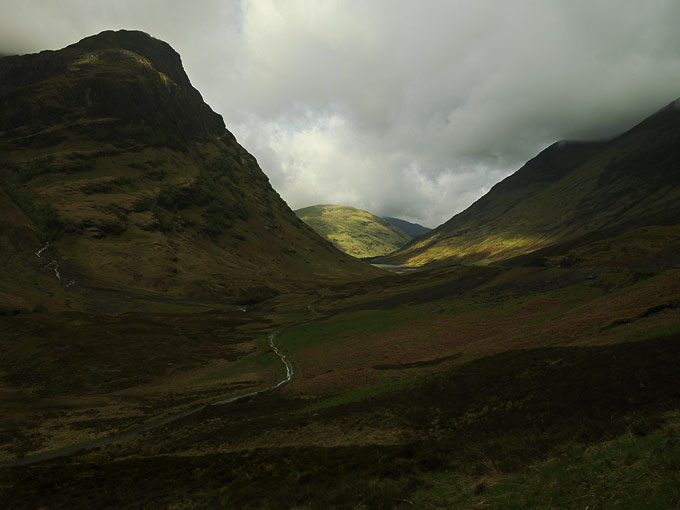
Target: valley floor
column 455, row 387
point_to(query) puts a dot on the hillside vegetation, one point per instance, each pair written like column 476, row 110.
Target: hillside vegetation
column 109, row 154
column 354, row 231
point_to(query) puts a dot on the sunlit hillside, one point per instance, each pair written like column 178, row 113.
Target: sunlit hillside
column 354, row 231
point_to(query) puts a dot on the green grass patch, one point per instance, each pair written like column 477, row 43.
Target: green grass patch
column 348, row 325
column 217, row 211
column 651, row 332
column 631, row 471
column 356, row 232
column 359, row 394
column 251, row 363
column 45, row 217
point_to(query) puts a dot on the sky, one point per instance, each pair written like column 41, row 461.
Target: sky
column 405, row 108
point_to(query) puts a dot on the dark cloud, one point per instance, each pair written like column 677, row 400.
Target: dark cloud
column 407, row 109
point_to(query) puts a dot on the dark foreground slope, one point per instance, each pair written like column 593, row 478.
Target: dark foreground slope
column 569, row 190
column 109, row 154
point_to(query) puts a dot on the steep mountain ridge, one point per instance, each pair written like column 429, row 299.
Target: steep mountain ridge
column 354, row 231
column 568, row 190
column 109, row 154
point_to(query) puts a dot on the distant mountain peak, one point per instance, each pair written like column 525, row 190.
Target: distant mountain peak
column 159, row 53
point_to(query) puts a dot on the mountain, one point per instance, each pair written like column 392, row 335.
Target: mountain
column 448, row 387
column 572, row 191
column 354, row 231
column 412, row 229
column 111, row 159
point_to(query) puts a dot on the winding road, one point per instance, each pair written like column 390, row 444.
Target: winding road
column 63, row 452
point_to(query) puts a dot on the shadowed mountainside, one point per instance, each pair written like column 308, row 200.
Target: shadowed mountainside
column 108, row 153
column 569, row 190
column 412, row 229
column 354, row 231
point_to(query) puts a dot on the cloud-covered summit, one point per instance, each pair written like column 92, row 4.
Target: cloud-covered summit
column 405, row 109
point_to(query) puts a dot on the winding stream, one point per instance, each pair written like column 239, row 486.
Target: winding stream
column 53, row 264
column 289, row 376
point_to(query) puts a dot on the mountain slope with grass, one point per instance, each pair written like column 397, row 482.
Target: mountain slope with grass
column 570, row 190
column 354, row 231
column 412, row 229
column 109, row 155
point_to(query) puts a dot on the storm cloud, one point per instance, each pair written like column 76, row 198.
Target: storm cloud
column 406, row 109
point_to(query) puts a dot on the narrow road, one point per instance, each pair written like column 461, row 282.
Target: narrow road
column 63, row 452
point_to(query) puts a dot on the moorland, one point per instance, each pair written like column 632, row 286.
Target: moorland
column 532, row 365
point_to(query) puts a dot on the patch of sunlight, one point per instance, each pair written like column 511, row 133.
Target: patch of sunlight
column 487, row 250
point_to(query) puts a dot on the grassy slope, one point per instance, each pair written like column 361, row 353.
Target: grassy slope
column 629, row 471
column 568, row 190
column 153, row 198
column 356, row 232
column 443, row 388
column 70, row 377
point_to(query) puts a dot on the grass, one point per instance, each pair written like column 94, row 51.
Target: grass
column 334, row 329
column 422, row 425
column 462, row 443
column 77, row 360
column 358, row 395
column 630, row 471
column 202, row 213
column 46, row 218
column 356, row 232
column 354, row 348
column 456, row 316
